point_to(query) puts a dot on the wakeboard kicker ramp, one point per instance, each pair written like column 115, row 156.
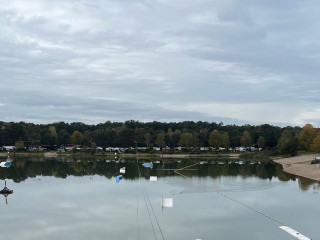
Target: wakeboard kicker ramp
column 294, row 233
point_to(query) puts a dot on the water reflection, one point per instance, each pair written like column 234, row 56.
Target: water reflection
column 25, row 168
column 6, row 191
column 92, row 206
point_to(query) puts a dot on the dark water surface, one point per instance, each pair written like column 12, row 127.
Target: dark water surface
column 80, row 199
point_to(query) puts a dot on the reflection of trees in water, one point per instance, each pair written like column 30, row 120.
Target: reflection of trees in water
column 30, row 168
column 305, row 183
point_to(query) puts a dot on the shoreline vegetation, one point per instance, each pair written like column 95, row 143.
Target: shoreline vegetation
column 161, row 140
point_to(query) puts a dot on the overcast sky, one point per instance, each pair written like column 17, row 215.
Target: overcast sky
column 233, row 61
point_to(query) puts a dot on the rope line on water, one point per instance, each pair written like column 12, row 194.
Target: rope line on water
column 145, row 194
column 235, row 201
column 145, row 200
column 154, row 214
column 138, row 229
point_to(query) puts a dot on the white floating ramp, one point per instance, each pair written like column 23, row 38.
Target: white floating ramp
column 153, row 178
column 167, row 202
column 294, row 233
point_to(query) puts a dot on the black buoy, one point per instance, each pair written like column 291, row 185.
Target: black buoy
column 6, row 191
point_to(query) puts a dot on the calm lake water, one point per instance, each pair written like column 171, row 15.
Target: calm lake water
column 80, row 199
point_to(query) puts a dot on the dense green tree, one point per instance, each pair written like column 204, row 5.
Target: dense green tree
column 161, row 140
column 147, row 138
column 186, row 140
column 287, row 144
column 261, row 142
column 204, row 137
column 176, row 137
column 284, row 140
column 225, row 141
column 63, row 136
column 246, row 140
column 292, row 146
column 132, row 133
column 125, row 137
column 215, row 139
column 170, row 134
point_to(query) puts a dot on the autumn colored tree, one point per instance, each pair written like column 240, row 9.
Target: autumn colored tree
column 76, row 137
column 306, row 136
column 315, row 146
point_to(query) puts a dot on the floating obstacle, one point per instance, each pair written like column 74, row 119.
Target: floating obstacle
column 166, row 202
column 123, row 170
column 6, row 191
column 153, row 178
column 6, row 164
column 118, row 178
column 148, row 165
column 294, row 233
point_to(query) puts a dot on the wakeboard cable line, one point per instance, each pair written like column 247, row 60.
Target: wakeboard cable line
column 282, row 226
column 146, row 197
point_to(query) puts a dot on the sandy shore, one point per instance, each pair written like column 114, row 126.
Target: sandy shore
column 300, row 166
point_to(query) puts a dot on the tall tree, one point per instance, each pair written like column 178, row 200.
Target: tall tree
column 215, row 139
column 315, row 146
column 161, row 140
column 53, row 135
column 306, row 136
column 147, row 138
column 76, row 137
column 246, row 140
column 186, row 140
column 63, row 136
column 170, row 134
column 261, row 141
column 287, row 144
column 225, row 141
column 284, row 140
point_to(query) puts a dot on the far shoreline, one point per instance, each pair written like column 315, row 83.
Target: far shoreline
column 120, row 155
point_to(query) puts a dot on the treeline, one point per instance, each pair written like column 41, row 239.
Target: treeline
column 186, row 134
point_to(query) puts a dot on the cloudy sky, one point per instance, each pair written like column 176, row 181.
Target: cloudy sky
column 233, row 61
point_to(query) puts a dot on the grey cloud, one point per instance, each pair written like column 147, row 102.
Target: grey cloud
column 56, row 57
